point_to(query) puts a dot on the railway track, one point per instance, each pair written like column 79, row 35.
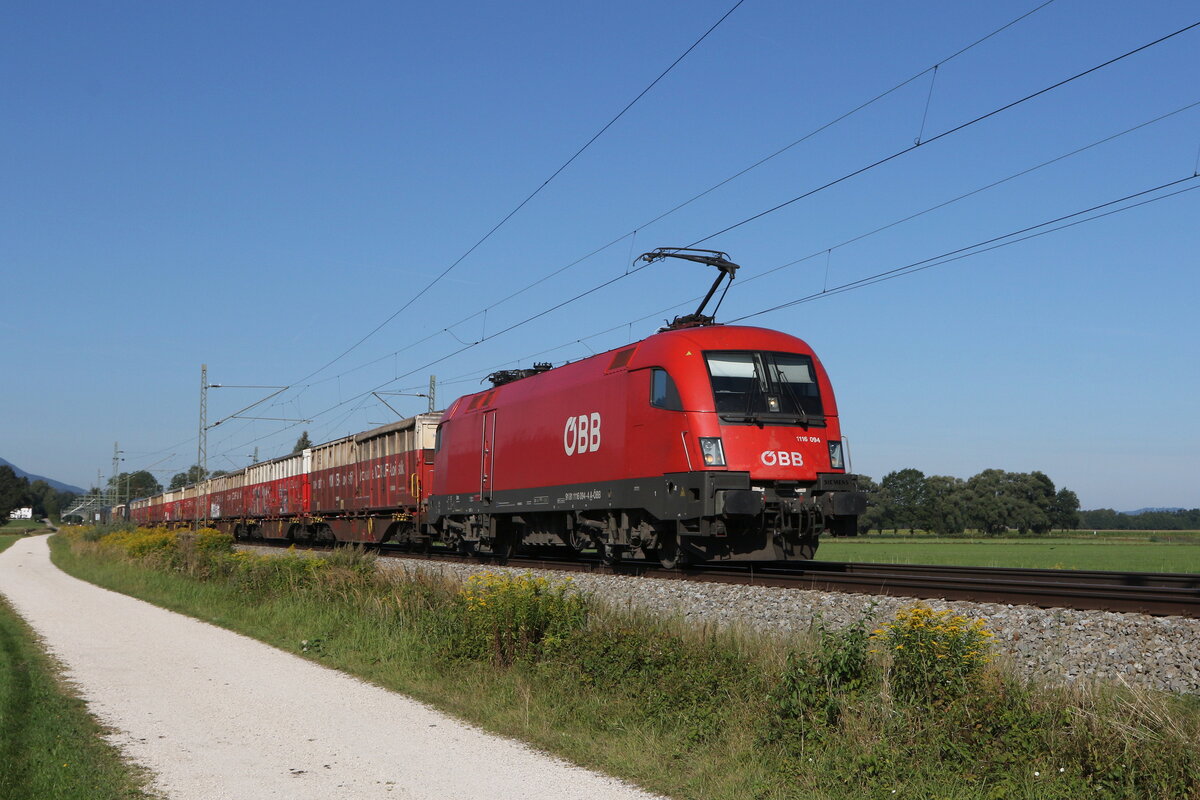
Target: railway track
column 1154, row 593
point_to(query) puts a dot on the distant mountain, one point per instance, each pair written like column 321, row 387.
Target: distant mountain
column 59, row 485
column 1148, row 510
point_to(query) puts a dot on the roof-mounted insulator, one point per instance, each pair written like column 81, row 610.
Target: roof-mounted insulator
column 503, row 376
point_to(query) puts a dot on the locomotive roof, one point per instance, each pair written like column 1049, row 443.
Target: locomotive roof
column 658, row 348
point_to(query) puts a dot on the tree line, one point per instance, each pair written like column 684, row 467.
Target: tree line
column 1174, row 520
column 992, row 502
column 18, row 492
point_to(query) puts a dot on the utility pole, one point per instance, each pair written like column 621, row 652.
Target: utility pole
column 202, row 446
column 202, row 443
column 114, row 495
column 202, row 438
column 431, row 396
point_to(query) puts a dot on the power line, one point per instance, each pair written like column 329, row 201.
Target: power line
column 809, row 193
column 848, row 114
column 531, row 195
column 987, row 245
column 821, row 128
column 859, row 237
column 943, row 134
column 835, row 290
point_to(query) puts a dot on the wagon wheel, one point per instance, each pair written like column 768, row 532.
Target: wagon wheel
column 609, row 554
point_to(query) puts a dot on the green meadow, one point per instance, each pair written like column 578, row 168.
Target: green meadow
column 1123, row 551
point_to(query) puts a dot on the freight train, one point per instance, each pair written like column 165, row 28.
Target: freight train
column 703, row 442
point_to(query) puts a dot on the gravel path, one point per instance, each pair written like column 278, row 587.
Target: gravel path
column 216, row 715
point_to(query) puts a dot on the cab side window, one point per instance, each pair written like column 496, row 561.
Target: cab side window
column 663, row 393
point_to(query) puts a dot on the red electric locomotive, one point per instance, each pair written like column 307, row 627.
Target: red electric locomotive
column 703, row 442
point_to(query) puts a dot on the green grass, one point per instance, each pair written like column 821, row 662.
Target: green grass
column 50, row 746
column 1122, row 553
column 21, row 526
column 691, row 713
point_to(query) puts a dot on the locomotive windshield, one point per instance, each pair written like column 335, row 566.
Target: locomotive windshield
column 765, row 387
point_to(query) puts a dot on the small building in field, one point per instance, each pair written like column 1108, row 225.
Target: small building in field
column 21, row 513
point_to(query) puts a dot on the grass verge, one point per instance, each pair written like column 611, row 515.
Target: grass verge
column 913, row 709
column 21, row 527
column 50, row 746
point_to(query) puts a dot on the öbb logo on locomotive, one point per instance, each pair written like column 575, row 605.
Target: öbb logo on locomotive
column 782, row 458
column 722, row 443
column 582, row 434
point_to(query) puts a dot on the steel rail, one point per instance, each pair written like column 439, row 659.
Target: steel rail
column 1153, row 593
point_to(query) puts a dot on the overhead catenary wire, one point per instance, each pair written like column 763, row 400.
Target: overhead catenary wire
column 987, row 245
column 529, row 197
column 741, row 283
column 943, row 135
column 468, row 345
column 994, row 243
column 632, row 235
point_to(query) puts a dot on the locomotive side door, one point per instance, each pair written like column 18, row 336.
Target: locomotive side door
column 487, row 460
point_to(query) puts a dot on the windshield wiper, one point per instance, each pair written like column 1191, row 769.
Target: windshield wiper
column 787, row 387
column 771, row 418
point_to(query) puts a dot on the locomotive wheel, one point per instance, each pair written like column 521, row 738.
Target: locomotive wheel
column 609, row 554
column 668, row 550
column 580, row 541
column 504, row 546
column 807, row 548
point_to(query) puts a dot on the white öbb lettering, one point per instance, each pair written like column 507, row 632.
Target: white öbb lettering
column 582, row 434
column 782, row 458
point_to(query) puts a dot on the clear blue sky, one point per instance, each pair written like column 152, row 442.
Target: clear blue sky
column 257, row 187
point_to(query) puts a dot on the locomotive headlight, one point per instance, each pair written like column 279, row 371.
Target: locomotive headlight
column 835, row 454
column 713, row 451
